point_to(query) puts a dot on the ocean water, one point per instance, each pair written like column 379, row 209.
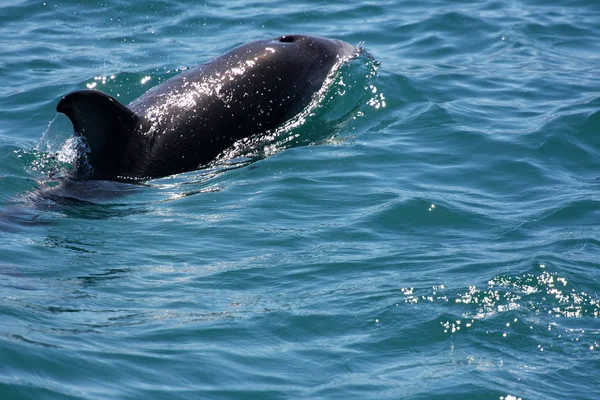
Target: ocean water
column 430, row 231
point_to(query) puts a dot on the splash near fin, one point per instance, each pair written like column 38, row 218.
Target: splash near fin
column 107, row 126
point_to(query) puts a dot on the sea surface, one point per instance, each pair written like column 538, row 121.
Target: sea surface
column 431, row 230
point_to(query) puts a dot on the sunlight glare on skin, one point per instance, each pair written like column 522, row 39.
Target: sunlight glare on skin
column 210, row 86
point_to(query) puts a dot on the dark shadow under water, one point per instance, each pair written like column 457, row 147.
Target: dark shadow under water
column 70, row 197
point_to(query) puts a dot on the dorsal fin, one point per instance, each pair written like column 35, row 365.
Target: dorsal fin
column 106, row 124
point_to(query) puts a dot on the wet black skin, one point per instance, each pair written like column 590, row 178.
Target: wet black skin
column 193, row 117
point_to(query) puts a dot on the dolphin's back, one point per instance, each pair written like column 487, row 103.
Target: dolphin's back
column 193, row 117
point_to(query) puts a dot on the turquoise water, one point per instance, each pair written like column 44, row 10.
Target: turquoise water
column 430, row 232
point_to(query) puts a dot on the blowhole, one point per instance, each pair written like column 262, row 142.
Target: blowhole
column 287, row 39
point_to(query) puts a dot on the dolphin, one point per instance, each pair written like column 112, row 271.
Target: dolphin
column 190, row 119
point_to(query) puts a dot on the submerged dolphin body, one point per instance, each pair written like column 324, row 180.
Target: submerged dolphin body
column 190, row 119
